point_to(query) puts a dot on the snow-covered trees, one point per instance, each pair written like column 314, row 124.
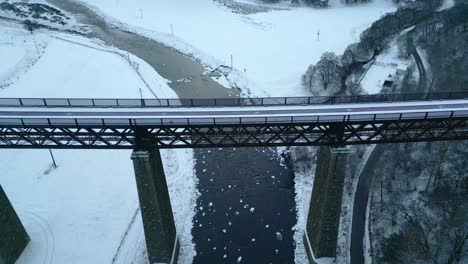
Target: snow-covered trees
column 421, row 222
column 325, row 3
column 328, row 70
column 317, row 3
column 325, row 77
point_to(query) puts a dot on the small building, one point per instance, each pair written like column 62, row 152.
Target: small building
column 393, row 81
column 388, row 84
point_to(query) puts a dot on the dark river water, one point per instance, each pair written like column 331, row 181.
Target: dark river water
column 246, row 209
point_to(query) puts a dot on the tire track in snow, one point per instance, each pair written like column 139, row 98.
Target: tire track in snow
column 41, row 248
column 125, row 238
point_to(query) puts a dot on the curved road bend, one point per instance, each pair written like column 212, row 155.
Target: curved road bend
column 365, row 179
column 360, row 205
column 419, row 63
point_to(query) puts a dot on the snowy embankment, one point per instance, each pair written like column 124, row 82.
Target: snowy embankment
column 90, row 200
column 39, row 12
column 270, row 51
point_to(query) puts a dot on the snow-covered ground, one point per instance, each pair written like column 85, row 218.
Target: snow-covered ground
column 270, row 50
column 66, row 210
column 304, row 174
column 11, row 54
column 17, row 59
column 385, row 67
column 447, row 4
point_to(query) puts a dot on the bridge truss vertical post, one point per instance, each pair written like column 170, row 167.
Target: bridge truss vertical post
column 158, row 220
column 13, row 236
column 321, row 234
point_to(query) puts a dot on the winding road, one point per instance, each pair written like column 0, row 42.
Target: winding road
column 358, row 227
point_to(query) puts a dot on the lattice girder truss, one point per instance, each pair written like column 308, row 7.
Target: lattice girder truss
column 241, row 135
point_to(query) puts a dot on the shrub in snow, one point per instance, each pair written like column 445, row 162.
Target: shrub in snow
column 30, row 25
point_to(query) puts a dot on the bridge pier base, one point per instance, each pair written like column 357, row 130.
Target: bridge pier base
column 321, row 234
column 158, row 220
column 13, row 236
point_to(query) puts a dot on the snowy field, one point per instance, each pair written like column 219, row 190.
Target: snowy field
column 270, row 50
column 11, row 54
column 66, row 210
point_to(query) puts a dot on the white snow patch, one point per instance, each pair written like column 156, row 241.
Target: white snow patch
column 384, row 68
column 447, row 4
column 10, row 55
column 367, row 242
column 279, row 236
column 303, row 182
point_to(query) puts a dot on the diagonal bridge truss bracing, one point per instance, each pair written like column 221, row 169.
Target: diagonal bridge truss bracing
column 75, row 133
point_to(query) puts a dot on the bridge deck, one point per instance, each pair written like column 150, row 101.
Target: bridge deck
column 254, row 114
column 95, row 126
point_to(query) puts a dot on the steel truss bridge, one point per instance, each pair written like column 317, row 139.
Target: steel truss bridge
column 233, row 122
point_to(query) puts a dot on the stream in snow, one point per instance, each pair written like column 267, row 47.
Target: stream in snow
column 246, row 209
column 187, row 76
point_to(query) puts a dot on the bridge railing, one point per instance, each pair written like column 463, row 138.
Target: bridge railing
column 225, row 121
column 227, row 102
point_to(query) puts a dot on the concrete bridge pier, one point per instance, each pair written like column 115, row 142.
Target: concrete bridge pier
column 321, row 235
column 13, row 236
column 158, row 220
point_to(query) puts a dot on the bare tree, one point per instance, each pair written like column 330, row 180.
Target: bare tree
column 438, row 160
column 326, row 74
column 422, row 230
column 459, row 238
column 328, row 69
